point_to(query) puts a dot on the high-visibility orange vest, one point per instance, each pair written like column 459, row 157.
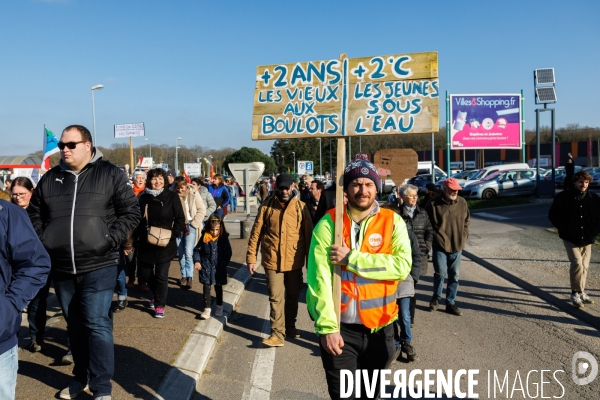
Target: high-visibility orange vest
column 376, row 299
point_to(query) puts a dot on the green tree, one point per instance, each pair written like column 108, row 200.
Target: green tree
column 248, row 155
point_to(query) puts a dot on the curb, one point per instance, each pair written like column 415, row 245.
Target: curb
column 181, row 379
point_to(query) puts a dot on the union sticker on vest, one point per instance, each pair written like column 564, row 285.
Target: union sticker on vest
column 375, row 240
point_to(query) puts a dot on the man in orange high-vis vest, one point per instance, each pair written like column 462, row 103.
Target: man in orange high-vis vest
column 375, row 256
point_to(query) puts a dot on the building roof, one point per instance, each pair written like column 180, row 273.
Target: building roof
column 20, row 160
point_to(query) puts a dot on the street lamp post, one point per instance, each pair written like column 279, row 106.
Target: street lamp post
column 283, row 163
column 294, row 154
column 320, row 160
column 176, row 157
column 148, row 140
column 97, row 87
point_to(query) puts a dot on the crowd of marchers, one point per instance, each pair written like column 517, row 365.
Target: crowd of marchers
column 90, row 231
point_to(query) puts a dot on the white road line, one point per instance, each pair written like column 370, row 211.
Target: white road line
column 492, row 216
column 262, row 369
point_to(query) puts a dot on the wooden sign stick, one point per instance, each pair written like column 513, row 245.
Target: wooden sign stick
column 340, row 209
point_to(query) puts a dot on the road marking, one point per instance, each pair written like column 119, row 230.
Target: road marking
column 492, row 216
column 262, row 369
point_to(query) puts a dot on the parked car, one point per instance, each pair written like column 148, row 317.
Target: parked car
column 559, row 180
column 420, row 181
column 462, row 177
column 513, row 182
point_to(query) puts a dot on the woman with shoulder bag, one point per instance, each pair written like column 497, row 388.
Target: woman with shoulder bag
column 195, row 210
column 162, row 222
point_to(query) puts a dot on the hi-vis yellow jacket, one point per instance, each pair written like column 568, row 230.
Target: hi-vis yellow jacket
column 374, row 266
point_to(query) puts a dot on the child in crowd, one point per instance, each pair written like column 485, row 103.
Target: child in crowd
column 211, row 257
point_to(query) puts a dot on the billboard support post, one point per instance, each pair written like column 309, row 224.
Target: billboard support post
column 522, row 126
column 131, row 155
column 448, row 117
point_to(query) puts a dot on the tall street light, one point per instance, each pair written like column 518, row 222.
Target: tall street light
column 294, row 154
column 320, row 159
column 176, row 157
column 148, row 140
column 97, row 87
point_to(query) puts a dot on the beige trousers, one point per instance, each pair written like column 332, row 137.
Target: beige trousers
column 579, row 257
column 284, row 291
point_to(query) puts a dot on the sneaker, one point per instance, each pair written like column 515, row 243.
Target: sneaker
column 159, row 312
column 452, row 309
column 576, row 299
column 35, row 346
column 434, row 304
column 74, row 389
column 130, row 283
column 144, row 287
column 292, row 333
column 585, row 298
column 219, row 311
column 67, row 358
column 206, row 313
column 411, row 354
column 105, row 397
column 151, row 304
column 120, row 306
column 272, row 341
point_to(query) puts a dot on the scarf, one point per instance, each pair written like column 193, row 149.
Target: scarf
column 154, row 192
column 410, row 210
column 137, row 190
column 209, row 238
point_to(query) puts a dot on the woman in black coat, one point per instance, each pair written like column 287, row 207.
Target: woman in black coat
column 161, row 208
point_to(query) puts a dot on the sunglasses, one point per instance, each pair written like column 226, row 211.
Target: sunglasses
column 70, row 145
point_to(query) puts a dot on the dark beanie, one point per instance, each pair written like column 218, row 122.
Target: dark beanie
column 361, row 168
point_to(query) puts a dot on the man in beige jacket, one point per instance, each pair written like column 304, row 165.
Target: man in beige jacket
column 283, row 230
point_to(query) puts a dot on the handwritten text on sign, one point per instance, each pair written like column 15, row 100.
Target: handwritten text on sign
column 369, row 96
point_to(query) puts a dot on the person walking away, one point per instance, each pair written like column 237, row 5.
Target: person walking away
column 234, row 192
column 282, row 229
column 160, row 208
column 82, row 210
column 194, row 210
column 24, row 269
column 575, row 212
column 374, row 257
column 205, row 195
column 211, row 257
column 449, row 217
column 220, row 194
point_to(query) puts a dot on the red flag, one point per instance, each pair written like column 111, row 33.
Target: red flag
column 187, row 177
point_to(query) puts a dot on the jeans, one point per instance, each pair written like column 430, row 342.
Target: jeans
column 157, row 276
column 219, row 213
column 9, row 363
column 404, row 320
column 233, row 204
column 36, row 313
column 121, row 287
column 85, row 301
column 284, row 291
column 446, row 262
column 185, row 252
column 362, row 350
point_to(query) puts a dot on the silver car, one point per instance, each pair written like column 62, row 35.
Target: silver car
column 512, row 182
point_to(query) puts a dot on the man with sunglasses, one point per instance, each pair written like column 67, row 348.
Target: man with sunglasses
column 83, row 209
column 282, row 229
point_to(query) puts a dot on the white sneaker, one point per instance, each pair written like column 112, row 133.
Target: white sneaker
column 576, row 299
column 219, row 311
column 205, row 314
column 586, row 299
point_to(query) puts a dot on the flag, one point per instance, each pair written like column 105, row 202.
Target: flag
column 187, row 177
column 50, row 147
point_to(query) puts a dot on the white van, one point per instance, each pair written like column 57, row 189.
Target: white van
column 493, row 168
column 425, row 169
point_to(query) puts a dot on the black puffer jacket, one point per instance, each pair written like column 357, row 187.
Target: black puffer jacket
column 421, row 226
column 83, row 218
column 164, row 211
column 577, row 221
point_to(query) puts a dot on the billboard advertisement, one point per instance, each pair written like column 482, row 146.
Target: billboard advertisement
column 485, row 121
column 305, row 167
column 129, row 130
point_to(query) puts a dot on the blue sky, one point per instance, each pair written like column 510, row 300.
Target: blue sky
column 187, row 68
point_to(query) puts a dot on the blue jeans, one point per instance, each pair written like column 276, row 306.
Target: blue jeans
column 9, row 363
column 404, row 320
column 185, row 253
column 85, row 301
column 233, row 203
column 446, row 262
column 121, row 287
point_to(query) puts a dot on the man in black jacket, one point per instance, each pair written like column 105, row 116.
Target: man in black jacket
column 575, row 212
column 83, row 210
